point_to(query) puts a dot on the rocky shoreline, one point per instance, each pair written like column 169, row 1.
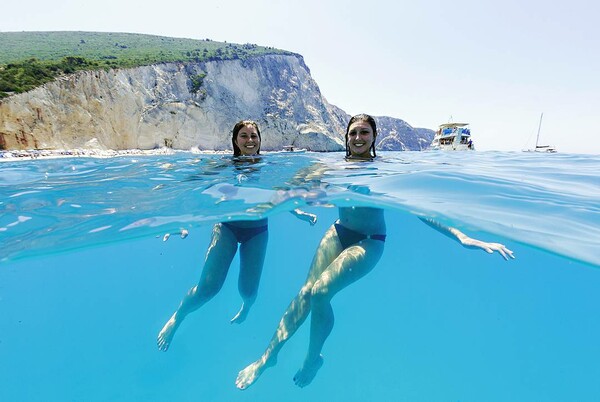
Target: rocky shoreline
column 14, row 155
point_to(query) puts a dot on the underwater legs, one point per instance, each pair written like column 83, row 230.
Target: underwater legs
column 292, row 319
column 296, row 313
column 252, row 258
column 218, row 259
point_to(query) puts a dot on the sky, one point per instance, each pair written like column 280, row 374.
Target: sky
column 494, row 64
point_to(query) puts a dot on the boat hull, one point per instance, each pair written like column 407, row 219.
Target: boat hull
column 452, row 147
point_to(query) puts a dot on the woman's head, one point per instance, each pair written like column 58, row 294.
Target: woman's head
column 246, row 138
column 360, row 136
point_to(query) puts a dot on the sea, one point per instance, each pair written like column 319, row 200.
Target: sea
column 97, row 253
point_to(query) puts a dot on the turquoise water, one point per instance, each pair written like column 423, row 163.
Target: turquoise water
column 86, row 280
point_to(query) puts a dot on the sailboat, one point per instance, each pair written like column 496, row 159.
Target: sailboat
column 538, row 147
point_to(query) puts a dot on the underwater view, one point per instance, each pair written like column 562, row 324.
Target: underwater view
column 97, row 253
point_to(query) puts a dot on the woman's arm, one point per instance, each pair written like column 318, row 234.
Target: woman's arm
column 467, row 241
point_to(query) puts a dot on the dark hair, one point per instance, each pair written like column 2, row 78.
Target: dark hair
column 367, row 119
column 236, row 129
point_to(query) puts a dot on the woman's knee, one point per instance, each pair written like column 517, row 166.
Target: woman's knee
column 320, row 292
column 248, row 291
column 205, row 291
column 306, row 292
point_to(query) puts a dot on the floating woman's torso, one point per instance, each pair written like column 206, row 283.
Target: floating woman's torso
column 364, row 220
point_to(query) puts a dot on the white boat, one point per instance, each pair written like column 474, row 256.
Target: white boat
column 291, row 148
column 453, row 137
column 541, row 148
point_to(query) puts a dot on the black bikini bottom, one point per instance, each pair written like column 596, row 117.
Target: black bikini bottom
column 349, row 237
column 244, row 234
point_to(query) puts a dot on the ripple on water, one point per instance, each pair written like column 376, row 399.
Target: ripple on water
column 548, row 201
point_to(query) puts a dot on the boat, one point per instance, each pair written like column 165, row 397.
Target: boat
column 541, row 148
column 291, row 148
column 453, row 137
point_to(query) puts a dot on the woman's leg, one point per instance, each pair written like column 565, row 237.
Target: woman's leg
column 219, row 255
column 252, row 258
column 351, row 265
column 296, row 313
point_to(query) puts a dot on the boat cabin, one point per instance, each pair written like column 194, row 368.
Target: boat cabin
column 453, row 136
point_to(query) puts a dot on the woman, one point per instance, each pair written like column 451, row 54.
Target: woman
column 252, row 237
column 349, row 250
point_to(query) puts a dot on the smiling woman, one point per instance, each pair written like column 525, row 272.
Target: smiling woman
column 360, row 137
column 348, row 251
column 246, row 138
column 252, row 237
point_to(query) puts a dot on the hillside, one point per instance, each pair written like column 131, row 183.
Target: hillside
column 114, row 91
column 30, row 59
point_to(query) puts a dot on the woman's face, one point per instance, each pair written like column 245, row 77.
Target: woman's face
column 360, row 139
column 247, row 140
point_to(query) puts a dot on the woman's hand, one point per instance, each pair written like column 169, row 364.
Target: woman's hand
column 467, row 241
column 305, row 216
column 488, row 247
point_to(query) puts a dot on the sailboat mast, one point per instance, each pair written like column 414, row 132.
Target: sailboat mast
column 537, row 140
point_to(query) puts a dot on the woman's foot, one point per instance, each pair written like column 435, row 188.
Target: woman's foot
column 250, row 374
column 166, row 334
column 309, row 370
column 240, row 317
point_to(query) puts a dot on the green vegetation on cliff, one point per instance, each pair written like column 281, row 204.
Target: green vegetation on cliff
column 30, row 59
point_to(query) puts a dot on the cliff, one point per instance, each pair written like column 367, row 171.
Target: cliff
column 398, row 135
column 186, row 105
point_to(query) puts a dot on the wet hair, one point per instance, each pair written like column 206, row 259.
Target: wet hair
column 236, row 129
column 367, row 119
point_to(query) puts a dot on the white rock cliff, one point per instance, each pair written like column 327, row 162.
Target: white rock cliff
column 186, row 105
